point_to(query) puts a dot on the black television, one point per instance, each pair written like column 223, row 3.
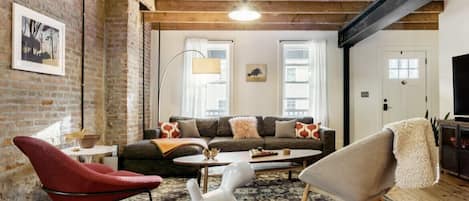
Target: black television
column 461, row 86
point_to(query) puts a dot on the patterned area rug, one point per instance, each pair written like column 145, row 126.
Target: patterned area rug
column 266, row 187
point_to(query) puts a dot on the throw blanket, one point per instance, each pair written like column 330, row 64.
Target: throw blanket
column 167, row 146
column 416, row 153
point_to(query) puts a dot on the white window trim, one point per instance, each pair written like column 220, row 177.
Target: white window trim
column 281, row 71
column 230, row 77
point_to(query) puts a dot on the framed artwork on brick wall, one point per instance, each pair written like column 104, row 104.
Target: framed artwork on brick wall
column 38, row 42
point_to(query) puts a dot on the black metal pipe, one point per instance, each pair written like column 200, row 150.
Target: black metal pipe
column 83, row 67
column 346, row 95
column 143, row 74
column 159, row 70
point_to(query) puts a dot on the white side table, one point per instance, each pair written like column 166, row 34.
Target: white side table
column 87, row 154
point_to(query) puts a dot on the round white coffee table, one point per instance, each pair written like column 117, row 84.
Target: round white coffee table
column 87, row 154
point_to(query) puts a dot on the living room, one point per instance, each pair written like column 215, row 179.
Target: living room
column 111, row 73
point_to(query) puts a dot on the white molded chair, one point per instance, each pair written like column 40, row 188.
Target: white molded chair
column 235, row 175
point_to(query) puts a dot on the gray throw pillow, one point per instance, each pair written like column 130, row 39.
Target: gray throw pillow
column 285, row 129
column 189, row 129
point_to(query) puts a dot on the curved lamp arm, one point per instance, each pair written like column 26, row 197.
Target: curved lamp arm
column 163, row 78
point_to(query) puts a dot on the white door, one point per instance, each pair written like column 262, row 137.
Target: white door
column 404, row 85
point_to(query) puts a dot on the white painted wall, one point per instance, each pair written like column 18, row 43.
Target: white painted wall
column 454, row 41
column 251, row 47
column 366, row 75
column 263, row 98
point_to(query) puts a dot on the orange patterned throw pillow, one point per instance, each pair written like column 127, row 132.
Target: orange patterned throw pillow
column 303, row 130
column 169, row 130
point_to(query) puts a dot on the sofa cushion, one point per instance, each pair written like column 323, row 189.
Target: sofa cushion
column 169, row 130
column 285, row 129
column 269, row 123
column 224, row 128
column 189, row 128
column 207, row 126
column 244, row 127
column 230, row 144
column 291, row 143
column 145, row 149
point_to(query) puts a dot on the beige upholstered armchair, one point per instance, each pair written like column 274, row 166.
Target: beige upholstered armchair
column 363, row 171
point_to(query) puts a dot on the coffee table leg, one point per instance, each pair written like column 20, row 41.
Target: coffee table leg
column 205, row 179
column 305, row 164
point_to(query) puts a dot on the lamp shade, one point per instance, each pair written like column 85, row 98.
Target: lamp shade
column 206, row 66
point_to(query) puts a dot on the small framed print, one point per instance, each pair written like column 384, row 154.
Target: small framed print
column 256, row 72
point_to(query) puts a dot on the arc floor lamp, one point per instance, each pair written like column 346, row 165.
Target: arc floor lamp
column 202, row 65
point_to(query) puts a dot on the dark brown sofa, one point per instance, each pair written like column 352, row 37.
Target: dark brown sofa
column 144, row 157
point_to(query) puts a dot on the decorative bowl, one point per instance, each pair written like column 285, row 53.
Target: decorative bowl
column 88, row 141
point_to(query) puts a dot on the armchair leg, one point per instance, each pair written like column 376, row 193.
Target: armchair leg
column 305, row 193
column 149, row 195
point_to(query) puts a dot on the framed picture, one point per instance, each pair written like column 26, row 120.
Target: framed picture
column 256, row 72
column 38, row 42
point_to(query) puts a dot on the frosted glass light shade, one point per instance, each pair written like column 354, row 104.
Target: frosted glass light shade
column 206, row 66
column 244, row 14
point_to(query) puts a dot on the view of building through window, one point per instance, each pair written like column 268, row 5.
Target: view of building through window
column 218, row 89
column 296, row 68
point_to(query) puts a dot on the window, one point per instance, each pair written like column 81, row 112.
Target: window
column 296, row 73
column 207, row 95
column 403, row 68
column 218, row 88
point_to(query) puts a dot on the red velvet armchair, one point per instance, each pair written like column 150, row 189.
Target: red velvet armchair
column 65, row 179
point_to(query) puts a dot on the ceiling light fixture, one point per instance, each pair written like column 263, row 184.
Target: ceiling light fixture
column 244, row 13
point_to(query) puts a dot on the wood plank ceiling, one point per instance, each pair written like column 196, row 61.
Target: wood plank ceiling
column 278, row 15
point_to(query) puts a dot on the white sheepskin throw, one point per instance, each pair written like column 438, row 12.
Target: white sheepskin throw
column 244, row 127
column 416, row 153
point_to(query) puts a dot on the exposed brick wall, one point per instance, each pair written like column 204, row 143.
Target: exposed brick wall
column 134, row 79
column 147, row 64
column 94, row 67
column 116, row 71
column 124, row 104
column 32, row 102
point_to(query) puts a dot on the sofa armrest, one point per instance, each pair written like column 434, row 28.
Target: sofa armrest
column 328, row 139
column 151, row 133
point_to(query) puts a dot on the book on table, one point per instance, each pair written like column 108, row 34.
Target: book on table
column 261, row 153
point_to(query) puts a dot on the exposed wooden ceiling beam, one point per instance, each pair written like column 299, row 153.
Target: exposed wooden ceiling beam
column 285, row 7
column 237, row 26
column 265, row 19
column 340, row 19
column 413, row 26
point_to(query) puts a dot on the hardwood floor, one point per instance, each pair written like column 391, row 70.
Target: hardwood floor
column 449, row 188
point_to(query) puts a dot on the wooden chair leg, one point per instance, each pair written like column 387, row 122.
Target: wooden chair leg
column 306, row 193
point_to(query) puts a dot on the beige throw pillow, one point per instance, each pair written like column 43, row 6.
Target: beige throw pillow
column 189, row 129
column 285, row 129
column 244, row 127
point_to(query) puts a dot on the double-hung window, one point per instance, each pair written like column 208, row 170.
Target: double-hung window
column 207, row 95
column 218, row 87
column 296, row 71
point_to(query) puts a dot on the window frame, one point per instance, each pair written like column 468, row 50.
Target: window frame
column 283, row 81
column 229, row 78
